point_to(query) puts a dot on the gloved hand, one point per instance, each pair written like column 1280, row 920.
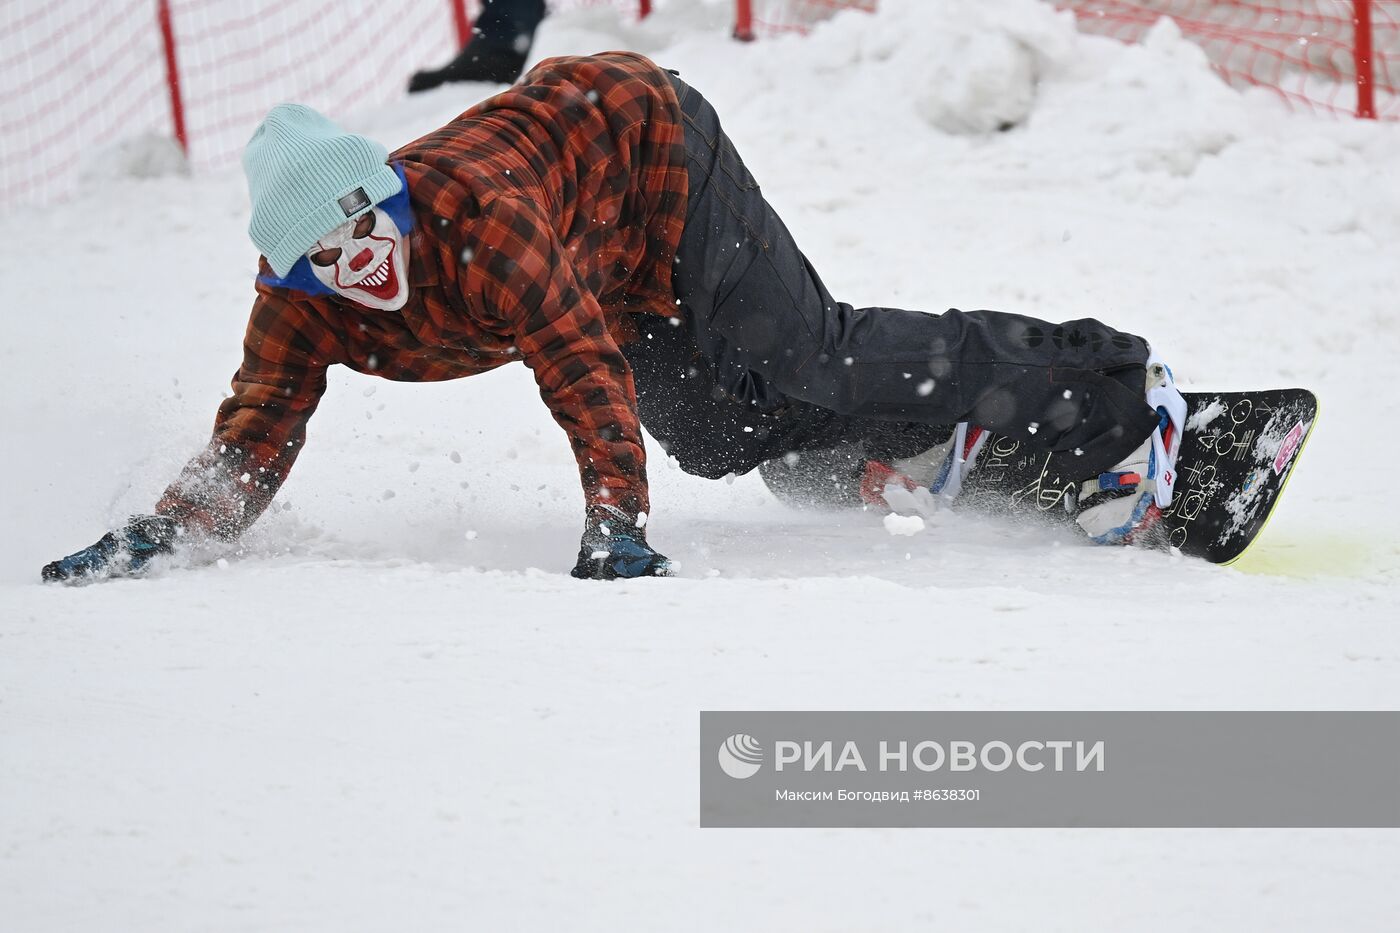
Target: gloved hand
column 121, row 553
column 615, row 546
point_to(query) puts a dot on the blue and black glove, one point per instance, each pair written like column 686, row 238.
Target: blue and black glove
column 121, row 553
column 615, row 547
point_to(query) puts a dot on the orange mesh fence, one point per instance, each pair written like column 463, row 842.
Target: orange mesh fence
column 76, row 74
column 1330, row 56
column 758, row 18
column 81, row 76
column 1310, row 52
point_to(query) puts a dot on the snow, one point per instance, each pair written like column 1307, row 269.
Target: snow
column 903, row 525
column 1205, row 416
column 392, row 708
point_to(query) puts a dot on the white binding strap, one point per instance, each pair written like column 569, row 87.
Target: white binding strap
column 1165, row 395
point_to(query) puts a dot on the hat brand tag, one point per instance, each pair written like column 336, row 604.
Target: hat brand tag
column 355, row 201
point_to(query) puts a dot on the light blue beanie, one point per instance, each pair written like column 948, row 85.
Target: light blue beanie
column 307, row 176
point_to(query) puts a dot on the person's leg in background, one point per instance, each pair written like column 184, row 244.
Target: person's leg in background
column 499, row 47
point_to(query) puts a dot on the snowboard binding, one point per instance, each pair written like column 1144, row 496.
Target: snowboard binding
column 1114, row 507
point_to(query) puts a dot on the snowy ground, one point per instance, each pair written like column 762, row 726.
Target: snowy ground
column 396, row 711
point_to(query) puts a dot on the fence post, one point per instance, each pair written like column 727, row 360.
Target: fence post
column 743, row 20
column 462, row 21
column 172, row 73
column 1361, row 48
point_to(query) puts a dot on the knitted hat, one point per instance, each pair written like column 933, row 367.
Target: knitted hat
column 307, row 176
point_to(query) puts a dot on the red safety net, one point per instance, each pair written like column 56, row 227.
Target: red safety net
column 1307, row 51
column 1328, row 56
column 82, row 76
column 77, row 74
column 760, row 18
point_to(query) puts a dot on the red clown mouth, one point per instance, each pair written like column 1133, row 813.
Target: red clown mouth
column 381, row 282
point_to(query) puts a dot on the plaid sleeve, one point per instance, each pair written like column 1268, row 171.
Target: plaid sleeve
column 531, row 290
column 260, row 428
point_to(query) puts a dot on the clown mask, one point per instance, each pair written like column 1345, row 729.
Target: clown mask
column 365, row 260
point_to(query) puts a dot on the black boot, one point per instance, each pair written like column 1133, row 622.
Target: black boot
column 481, row 60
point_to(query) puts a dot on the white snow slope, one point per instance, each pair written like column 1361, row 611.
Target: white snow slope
column 394, row 709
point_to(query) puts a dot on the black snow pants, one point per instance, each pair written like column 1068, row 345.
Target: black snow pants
column 763, row 361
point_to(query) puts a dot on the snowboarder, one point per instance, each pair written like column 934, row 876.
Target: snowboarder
column 595, row 223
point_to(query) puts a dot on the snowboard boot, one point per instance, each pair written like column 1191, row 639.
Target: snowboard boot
column 1126, row 503
column 481, row 60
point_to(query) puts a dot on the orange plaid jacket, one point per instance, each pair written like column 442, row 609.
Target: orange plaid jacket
column 542, row 218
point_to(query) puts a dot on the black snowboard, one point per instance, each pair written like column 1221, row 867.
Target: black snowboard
column 1237, row 453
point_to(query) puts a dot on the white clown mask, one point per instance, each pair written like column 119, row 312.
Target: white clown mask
column 365, row 260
